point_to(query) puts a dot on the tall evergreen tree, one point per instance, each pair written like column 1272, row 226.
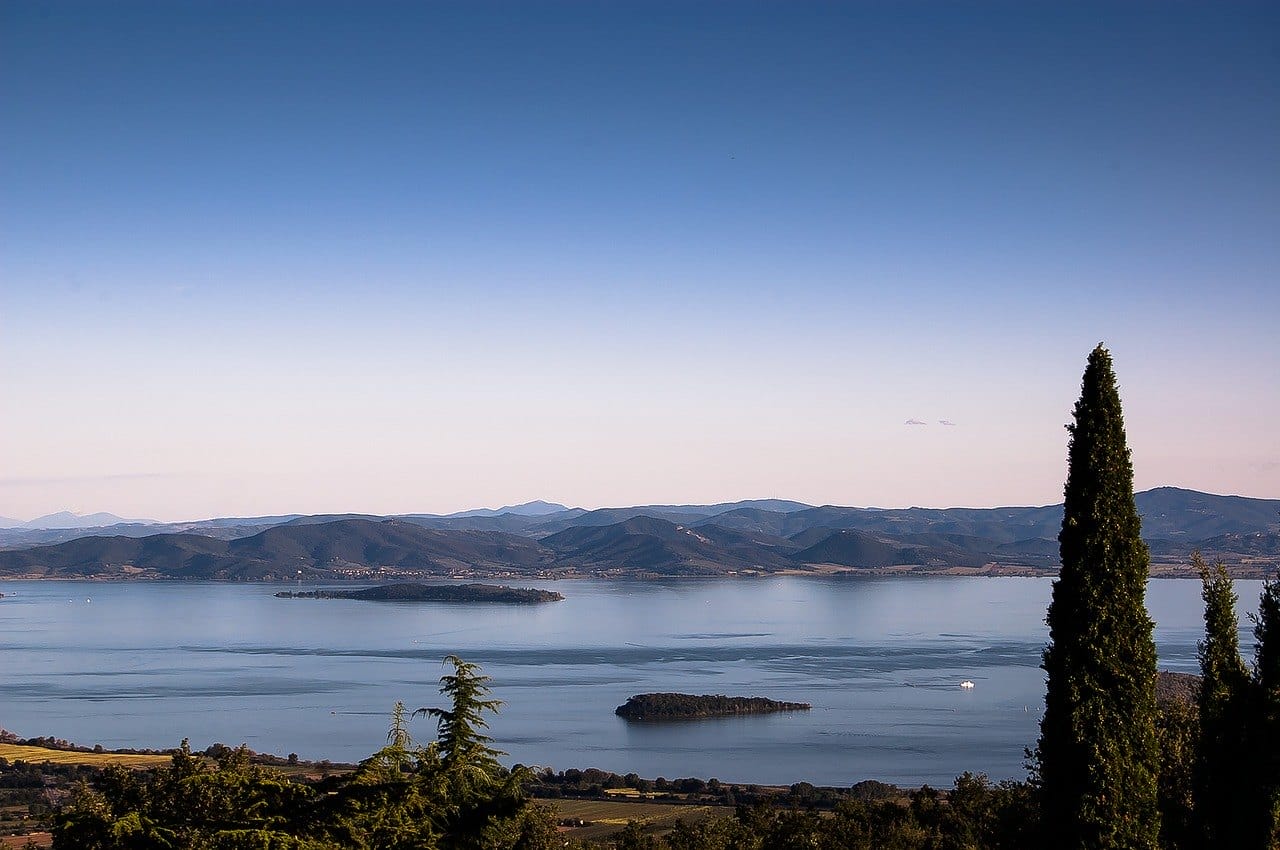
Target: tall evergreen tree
column 1265, row 760
column 462, row 743
column 1221, row 793
column 1098, row 759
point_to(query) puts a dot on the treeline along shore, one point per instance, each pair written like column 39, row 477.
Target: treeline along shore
column 411, row 592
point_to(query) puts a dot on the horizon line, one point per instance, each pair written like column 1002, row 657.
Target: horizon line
column 509, row 508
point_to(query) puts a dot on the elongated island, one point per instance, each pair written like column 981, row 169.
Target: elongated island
column 658, row 707
column 410, row 592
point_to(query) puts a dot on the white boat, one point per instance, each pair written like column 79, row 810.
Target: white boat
column 966, row 684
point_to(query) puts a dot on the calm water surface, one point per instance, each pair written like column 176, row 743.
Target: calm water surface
column 146, row 664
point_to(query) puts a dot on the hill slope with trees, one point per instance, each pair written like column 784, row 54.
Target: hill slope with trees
column 767, row 536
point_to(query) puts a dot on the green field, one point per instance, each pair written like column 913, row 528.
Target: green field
column 605, row 817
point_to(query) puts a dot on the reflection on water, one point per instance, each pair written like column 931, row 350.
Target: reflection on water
column 880, row 659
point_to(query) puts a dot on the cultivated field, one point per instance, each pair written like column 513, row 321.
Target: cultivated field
column 35, row 755
column 605, row 817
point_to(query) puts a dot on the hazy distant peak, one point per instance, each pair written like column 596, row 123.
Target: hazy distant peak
column 534, row 508
column 777, row 505
column 783, row 506
column 67, row 519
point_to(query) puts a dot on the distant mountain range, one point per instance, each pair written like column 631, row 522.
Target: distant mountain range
column 331, row 549
column 543, row 539
column 69, row 520
column 535, row 508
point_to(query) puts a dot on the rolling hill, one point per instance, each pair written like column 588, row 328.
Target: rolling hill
column 660, row 546
column 325, row 549
column 539, row 538
column 848, row 548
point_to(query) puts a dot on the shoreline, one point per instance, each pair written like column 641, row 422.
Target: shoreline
column 146, row 759
column 1248, row 572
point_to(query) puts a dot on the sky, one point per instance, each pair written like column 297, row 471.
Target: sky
column 262, row 258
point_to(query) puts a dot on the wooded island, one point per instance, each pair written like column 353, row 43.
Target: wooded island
column 410, row 592
column 651, row 707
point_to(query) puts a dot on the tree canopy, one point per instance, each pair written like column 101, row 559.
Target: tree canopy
column 1264, row 761
column 1098, row 757
column 1221, row 790
column 451, row 794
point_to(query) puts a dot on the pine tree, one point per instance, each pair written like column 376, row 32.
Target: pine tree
column 459, row 726
column 1098, row 759
column 1265, row 762
column 487, row 804
column 398, row 735
column 1220, row 792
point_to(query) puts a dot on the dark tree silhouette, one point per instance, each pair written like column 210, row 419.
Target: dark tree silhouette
column 1098, row 759
column 1264, row 761
column 1221, row 793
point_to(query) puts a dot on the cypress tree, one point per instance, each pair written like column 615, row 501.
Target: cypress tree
column 1266, row 716
column 1098, row 759
column 1220, row 794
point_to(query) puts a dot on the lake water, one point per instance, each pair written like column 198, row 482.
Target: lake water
column 880, row 659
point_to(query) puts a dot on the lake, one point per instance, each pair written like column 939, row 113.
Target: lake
column 880, row 659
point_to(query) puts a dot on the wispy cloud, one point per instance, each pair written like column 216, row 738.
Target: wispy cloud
column 915, row 422
column 946, row 422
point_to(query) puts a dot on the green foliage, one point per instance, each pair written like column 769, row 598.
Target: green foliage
column 188, row 805
column 633, row 837
column 463, row 747
column 1098, row 761
column 1266, row 631
column 1221, row 792
column 1178, row 731
column 1265, row 762
column 398, row 736
column 975, row 815
column 451, row 794
column 409, row 800
column 448, row 795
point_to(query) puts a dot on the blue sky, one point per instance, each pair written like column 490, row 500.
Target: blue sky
column 270, row 257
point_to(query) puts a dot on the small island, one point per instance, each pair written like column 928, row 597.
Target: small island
column 657, row 707
column 409, row 592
